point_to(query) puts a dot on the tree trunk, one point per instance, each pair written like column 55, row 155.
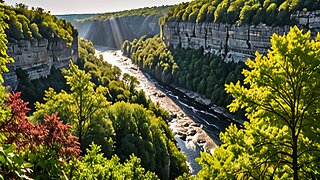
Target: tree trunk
column 295, row 157
column 80, row 119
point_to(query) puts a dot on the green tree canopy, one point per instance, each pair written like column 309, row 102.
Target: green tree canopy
column 84, row 108
column 95, row 166
column 239, row 11
column 281, row 97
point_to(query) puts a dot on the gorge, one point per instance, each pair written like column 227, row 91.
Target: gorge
column 222, row 89
column 112, row 29
column 229, row 41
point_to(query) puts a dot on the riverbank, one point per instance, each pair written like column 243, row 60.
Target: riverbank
column 207, row 102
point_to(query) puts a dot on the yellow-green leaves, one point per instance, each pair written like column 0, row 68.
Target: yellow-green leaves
column 84, row 107
column 281, row 97
column 4, row 58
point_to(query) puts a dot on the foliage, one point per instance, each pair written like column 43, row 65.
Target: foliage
column 146, row 11
column 34, row 90
column 129, row 128
column 4, row 58
column 83, row 107
column 281, row 98
column 239, row 11
column 28, row 24
column 153, row 56
column 41, row 148
column 122, row 128
column 138, row 131
column 188, row 68
column 95, row 166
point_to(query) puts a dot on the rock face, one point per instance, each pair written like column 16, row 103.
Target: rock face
column 232, row 42
column 37, row 57
column 113, row 32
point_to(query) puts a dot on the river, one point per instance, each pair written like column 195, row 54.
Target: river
column 196, row 127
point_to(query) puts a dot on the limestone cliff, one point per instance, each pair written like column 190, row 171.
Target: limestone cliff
column 37, row 58
column 232, row 42
column 113, row 32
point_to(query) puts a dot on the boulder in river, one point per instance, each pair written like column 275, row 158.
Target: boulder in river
column 195, row 124
column 186, row 124
column 182, row 136
column 191, row 132
column 161, row 95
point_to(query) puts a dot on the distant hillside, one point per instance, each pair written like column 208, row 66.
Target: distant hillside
column 146, row 11
column 112, row 29
column 74, row 17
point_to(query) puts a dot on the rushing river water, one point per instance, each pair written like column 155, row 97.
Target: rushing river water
column 213, row 121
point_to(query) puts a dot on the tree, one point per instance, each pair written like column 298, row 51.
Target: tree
column 139, row 132
column 281, row 97
column 95, row 166
column 4, row 58
column 11, row 162
column 46, row 145
column 82, row 108
column 35, row 31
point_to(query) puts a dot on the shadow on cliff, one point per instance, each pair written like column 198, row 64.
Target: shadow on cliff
column 113, row 32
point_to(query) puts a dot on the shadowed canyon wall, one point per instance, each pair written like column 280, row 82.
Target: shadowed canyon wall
column 113, row 32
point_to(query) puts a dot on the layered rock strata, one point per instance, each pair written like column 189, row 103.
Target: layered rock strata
column 37, row 57
column 232, row 42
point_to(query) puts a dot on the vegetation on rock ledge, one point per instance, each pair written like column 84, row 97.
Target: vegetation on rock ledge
column 26, row 24
column 239, row 11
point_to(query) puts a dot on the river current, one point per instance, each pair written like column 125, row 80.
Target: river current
column 212, row 121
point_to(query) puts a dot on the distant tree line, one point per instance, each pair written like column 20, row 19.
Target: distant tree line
column 146, row 11
column 270, row 12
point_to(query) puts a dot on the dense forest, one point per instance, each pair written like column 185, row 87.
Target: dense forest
column 187, row 68
column 270, row 12
column 113, row 115
column 94, row 124
column 26, row 24
column 147, row 11
column 115, row 129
